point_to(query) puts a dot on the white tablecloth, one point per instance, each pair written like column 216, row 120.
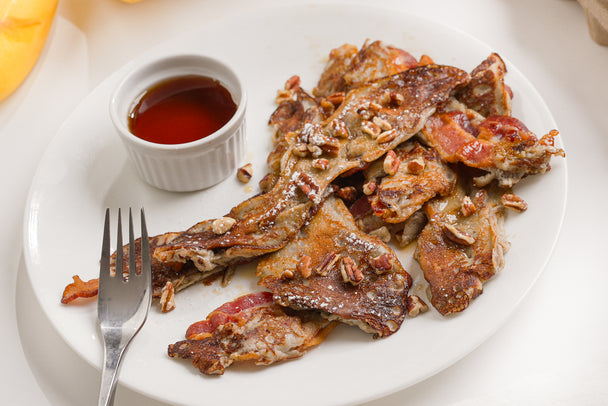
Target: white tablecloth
column 554, row 348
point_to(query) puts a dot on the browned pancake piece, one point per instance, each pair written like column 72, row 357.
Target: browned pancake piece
column 333, row 267
column 462, row 246
column 487, row 93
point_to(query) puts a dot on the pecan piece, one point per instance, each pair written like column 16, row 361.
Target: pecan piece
column 514, row 202
column 415, row 166
column 222, row 225
column 458, row 236
column 303, row 266
column 245, row 173
column 386, row 136
column 167, row 298
column 382, row 263
column 350, row 272
column 391, row 163
column 415, row 306
column 467, row 207
column 327, row 263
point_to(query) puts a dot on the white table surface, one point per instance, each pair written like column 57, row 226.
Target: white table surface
column 552, row 351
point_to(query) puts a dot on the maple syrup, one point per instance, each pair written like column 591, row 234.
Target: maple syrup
column 181, row 109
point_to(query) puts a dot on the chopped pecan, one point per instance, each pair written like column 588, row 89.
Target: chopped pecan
column 303, row 266
column 301, row 150
column 382, row 123
column 350, row 272
column 338, row 129
column 320, row 163
column 382, row 263
column 456, row 235
column 287, row 274
column 386, row 136
column 514, row 202
column 369, row 188
column 245, row 173
column 415, row 306
column 370, row 128
column 336, row 98
column 415, row 166
column 308, row 186
column 222, row 224
column 391, row 163
column 467, row 207
column 327, row 263
column 167, row 298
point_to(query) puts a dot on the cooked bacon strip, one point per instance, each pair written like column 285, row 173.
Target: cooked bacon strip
column 79, row 289
column 267, row 222
column 225, row 313
column 333, row 267
column 487, row 93
column 501, row 145
column 460, row 249
column 251, row 328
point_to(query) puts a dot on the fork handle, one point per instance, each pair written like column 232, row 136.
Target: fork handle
column 112, row 354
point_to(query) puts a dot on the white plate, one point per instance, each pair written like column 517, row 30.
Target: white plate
column 85, row 169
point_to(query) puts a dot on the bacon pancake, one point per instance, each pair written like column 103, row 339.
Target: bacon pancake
column 250, row 328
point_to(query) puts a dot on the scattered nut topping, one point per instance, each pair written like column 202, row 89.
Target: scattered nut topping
column 293, row 83
column 350, row 272
column 382, row 123
column 339, row 128
column 468, row 207
column 347, row 193
column 369, row 188
column 245, row 173
column 315, row 150
column 167, row 298
column 336, row 98
column 456, row 235
column 514, row 202
column 287, row 274
column 416, row 166
column 301, row 150
column 386, row 136
column 283, row 96
column 374, row 107
column 320, row 163
column 391, row 163
column 371, row 128
column 415, row 306
column 327, row 263
column 382, row 263
column 303, row 266
column 222, row 224
column 308, row 186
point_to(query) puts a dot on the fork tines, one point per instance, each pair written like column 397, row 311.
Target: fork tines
column 119, row 269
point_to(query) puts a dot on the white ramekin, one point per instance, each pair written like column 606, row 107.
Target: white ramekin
column 181, row 167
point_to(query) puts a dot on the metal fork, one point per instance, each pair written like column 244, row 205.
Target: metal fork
column 123, row 300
